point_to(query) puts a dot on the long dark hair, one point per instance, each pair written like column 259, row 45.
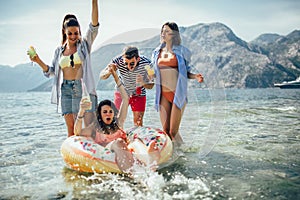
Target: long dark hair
column 69, row 20
column 176, row 39
column 106, row 127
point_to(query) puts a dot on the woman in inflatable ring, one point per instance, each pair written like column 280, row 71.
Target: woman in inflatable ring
column 108, row 132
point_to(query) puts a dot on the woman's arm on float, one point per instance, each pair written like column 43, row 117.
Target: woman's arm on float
column 125, row 98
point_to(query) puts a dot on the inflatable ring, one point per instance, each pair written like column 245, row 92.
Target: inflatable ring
column 83, row 154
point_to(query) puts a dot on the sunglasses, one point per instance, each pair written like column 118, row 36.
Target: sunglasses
column 72, row 61
column 106, row 111
column 130, row 64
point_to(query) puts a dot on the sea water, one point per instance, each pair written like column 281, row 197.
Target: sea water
column 239, row 144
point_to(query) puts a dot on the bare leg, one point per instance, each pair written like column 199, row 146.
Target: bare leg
column 175, row 120
column 149, row 156
column 170, row 117
column 165, row 114
column 138, row 118
column 70, row 120
column 154, row 155
column 124, row 158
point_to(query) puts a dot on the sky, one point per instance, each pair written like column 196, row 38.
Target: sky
column 38, row 22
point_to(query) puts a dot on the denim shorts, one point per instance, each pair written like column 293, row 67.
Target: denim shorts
column 71, row 93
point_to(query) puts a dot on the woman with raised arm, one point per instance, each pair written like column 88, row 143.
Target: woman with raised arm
column 70, row 65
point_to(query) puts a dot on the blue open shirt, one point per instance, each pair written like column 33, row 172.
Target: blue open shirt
column 183, row 56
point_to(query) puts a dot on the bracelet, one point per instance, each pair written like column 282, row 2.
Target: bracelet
column 80, row 117
column 119, row 85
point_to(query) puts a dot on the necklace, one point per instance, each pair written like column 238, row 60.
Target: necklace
column 166, row 53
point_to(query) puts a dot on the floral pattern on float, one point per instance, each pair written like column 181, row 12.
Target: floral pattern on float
column 94, row 149
column 147, row 134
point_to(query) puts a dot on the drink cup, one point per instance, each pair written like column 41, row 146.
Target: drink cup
column 138, row 90
column 88, row 100
column 31, row 52
column 150, row 70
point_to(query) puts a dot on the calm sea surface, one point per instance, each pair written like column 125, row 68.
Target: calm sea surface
column 239, row 144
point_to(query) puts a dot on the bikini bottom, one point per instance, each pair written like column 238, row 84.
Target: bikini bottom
column 169, row 96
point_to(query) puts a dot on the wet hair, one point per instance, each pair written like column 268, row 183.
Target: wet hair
column 130, row 52
column 176, row 37
column 106, row 127
column 69, row 20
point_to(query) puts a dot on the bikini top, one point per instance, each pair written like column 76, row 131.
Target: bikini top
column 167, row 60
column 66, row 61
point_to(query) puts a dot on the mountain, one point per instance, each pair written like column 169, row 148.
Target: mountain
column 227, row 61
column 266, row 39
column 44, row 87
column 20, row 78
column 283, row 53
column 224, row 59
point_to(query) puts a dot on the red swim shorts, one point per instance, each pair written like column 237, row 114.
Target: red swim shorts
column 137, row 103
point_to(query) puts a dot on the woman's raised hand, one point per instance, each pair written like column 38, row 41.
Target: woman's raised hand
column 85, row 103
column 32, row 54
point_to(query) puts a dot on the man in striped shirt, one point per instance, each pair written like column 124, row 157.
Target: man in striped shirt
column 134, row 76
